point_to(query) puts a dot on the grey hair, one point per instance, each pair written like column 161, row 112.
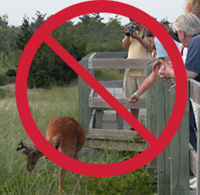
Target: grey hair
column 189, row 23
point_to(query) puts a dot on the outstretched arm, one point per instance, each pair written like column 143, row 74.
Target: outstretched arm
column 148, row 82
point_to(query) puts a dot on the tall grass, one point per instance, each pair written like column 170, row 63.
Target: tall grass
column 44, row 105
column 57, row 102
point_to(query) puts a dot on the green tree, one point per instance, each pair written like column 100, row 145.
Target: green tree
column 38, row 21
column 113, row 34
column 4, row 21
column 24, row 34
column 48, row 68
column 90, row 34
column 9, row 53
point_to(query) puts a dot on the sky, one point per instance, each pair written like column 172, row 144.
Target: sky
column 17, row 9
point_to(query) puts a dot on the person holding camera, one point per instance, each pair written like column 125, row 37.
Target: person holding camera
column 138, row 47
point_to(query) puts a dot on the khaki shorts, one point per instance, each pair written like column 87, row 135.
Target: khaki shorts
column 131, row 85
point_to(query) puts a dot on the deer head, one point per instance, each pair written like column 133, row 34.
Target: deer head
column 32, row 153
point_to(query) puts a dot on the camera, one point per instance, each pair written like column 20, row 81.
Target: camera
column 131, row 29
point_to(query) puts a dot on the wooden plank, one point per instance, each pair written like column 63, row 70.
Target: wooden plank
column 117, row 145
column 100, row 103
column 193, row 94
column 198, row 155
column 193, row 159
column 98, row 118
column 194, row 91
column 180, row 154
column 118, row 93
column 198, row 93
column 151, row 106
column 163, row 158
column 83, row 94
column 112, row 84
column 112, row 134
column 121, row 54
column 113, row 63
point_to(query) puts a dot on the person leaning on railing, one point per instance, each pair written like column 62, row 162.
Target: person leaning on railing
column 193, row 6
column 187, row 27
column 163, row 67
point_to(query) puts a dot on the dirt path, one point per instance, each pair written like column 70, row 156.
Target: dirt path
column 8, row 102
column 8, row 86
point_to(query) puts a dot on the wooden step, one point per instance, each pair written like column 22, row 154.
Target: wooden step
column 115, row 140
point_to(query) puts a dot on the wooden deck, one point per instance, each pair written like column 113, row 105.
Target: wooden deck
column 109, row 137
column 106, row 129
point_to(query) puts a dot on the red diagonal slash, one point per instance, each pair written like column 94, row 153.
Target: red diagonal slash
column 43, row 34
column 90, row 80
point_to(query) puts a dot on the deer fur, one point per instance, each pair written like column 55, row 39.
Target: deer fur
column 66, row 135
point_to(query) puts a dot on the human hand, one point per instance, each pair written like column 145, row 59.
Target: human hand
column 156, row 65
column 135, row 35
column 168, row 64
column 134, row 98
column 125, row 29
column 165, row 72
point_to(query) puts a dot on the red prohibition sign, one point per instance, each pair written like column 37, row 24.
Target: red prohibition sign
column 43, row 34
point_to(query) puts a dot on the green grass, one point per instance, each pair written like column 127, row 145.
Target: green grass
column 44, row 105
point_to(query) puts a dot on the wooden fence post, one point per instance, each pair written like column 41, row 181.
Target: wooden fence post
column 151, row 111
column 198, row 155
column 180, row 154
column 84, row 90
column 163, row 160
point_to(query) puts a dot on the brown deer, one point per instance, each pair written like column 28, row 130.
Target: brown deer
column 66, row 135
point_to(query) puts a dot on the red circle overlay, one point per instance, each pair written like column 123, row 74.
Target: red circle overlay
column 157, row 145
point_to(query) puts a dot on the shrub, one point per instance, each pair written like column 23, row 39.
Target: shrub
column 11, row 73
column 3, row 79
column 137, row 183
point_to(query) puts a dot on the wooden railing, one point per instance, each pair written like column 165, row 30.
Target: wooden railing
column 88, row 98
column 172, row 165
column 194, row 91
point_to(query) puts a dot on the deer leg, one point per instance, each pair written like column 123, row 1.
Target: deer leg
column 77, row 175
column 61, row 175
